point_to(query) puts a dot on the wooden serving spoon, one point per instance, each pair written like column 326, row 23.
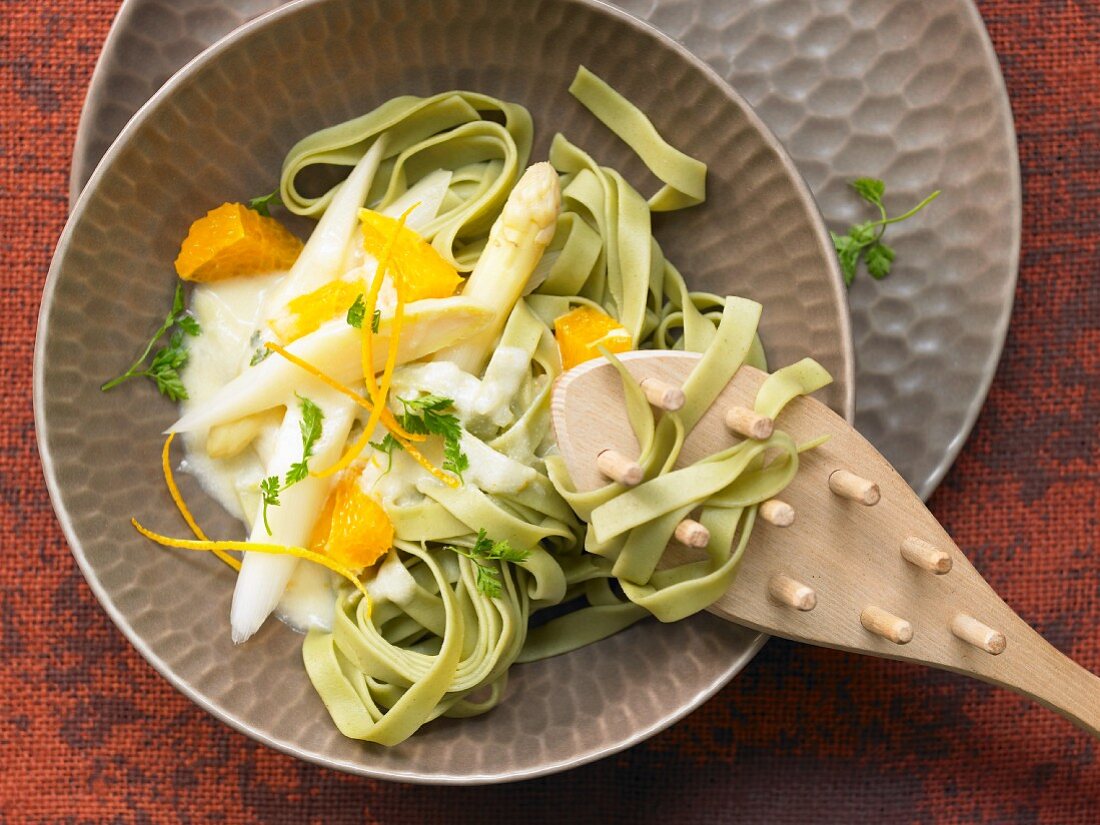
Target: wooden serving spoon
column 849, row 559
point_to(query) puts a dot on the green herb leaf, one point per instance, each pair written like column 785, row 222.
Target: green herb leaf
column 485, row 549
column 425, row 416
column 298, row 471
column 863, row 241
column 387, row 446
column 356, row 312
column 259, row 351
column 263, row 203
column 310, row 427
column 488, row 581
column 870, row 189
column 878, row 258
column 269, row 490
column 189, row 325
column 847, row 252
column 862, row 233
column 164, row 368
column 454, row 460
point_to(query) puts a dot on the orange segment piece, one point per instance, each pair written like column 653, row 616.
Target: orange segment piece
column 582, row 331
column 307, row 312
column 353, row 529
column 234, row 240
column 424, row 272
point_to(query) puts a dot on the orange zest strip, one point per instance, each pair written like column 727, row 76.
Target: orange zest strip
column 376, row 392
column 177, row 497
column 404, row 438
column 388, row 418
column 372, row 305
column 254, row 547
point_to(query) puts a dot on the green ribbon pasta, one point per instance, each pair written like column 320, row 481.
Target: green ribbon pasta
column 431, row 641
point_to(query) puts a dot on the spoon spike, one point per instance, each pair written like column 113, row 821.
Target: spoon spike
column 792, row 593
column 926, row 556
column 854, row 488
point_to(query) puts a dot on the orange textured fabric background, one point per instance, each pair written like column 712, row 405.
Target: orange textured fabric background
column 89, row 732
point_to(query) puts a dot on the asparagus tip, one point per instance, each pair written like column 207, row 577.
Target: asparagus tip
column 535, row 200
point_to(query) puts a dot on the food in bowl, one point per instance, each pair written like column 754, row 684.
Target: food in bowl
column 373, row 404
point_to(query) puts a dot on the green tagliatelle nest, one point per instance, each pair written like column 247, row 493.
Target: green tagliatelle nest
column 429, row 641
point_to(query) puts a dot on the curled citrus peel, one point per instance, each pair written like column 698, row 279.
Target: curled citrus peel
column 181, row 505
column 254, row 547
column 378, row 392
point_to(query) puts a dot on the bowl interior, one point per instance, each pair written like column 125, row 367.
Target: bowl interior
column 218, row 131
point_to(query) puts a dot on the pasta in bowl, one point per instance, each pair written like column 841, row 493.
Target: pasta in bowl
column 495, row 540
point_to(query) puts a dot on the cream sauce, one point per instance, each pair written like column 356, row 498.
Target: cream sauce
column 229, row 312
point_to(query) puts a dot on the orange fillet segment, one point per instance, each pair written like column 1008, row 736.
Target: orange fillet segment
column 306, row 313
column 412, row 259
column 581, row 332
column 233, row 240
column 352, row 529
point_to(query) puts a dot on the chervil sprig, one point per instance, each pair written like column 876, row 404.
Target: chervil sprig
column 269, row 490
column 863, row 241
column 387, row 446
column 358, row 310
column 263, row 203
column 310, row 427
column 485, row 549
column 425, row 416
column 164, row 368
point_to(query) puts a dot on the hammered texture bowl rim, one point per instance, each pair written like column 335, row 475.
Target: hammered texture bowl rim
column 213, row 53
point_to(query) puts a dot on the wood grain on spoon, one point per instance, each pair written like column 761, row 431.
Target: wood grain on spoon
column 864, row 544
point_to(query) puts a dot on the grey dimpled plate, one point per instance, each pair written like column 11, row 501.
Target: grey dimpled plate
column 907, row 91
column 218, row 131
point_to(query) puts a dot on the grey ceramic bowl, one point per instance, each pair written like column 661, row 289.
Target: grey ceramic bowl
column 218, row 131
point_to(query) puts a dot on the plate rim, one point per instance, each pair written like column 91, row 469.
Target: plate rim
column 736, row 664
column 1011, row 283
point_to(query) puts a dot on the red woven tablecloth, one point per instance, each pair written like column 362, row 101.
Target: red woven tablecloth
column 89, row 732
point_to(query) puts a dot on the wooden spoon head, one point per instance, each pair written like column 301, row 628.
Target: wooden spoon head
column 837, row 576
column 588, row 411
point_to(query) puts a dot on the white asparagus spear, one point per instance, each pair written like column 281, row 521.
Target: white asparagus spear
column 516, row 243
column 263, row 578
column 230, row 439
column 335, row 349
column 322, row 258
